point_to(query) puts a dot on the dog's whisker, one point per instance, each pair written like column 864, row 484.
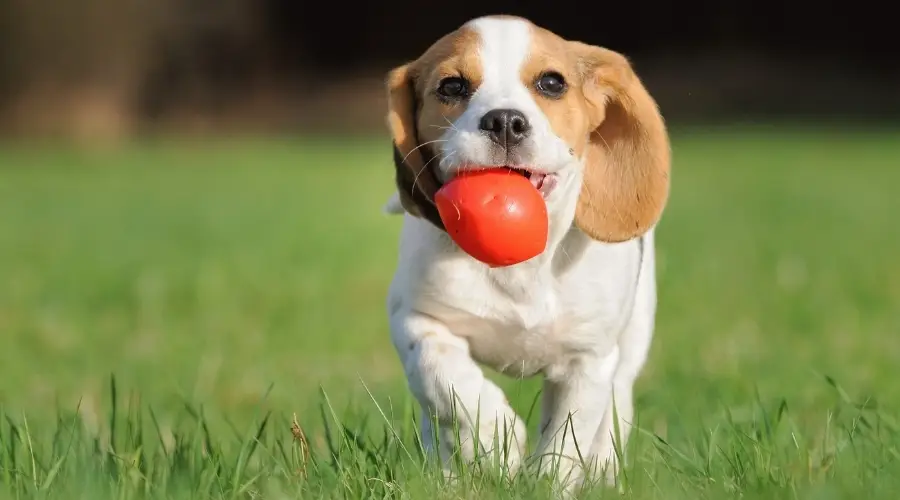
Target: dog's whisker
column 452, row 126
column 443, row 161
column 419, row 173
column 420, row 146
column 443, row 127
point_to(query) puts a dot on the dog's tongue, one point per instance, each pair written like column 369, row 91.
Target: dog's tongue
column 537, row 180
column 544, row 184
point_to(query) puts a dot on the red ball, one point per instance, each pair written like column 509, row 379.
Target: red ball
column 494, row 215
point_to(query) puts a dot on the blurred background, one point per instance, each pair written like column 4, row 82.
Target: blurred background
column 190, row 196
column 107, row 69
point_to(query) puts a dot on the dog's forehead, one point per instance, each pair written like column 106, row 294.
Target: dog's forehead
column 504, row 46
column 494, row 48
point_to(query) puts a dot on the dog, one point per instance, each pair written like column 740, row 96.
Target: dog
column 575, row 120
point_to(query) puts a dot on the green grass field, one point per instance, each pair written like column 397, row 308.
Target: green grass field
column 226, row 286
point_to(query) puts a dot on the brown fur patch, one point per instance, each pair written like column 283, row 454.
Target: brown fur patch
column 417, row 118
column 628, row 157
column 568, row 115
column 609, row 117
column 457, row 57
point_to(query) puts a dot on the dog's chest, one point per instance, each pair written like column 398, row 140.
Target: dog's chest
column 523, row 320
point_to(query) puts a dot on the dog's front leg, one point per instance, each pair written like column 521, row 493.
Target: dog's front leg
column 452, row 390
column 574, row 403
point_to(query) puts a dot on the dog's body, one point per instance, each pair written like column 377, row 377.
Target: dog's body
column 582, row 312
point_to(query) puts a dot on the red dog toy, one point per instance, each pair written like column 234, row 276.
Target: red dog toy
column 496, row 216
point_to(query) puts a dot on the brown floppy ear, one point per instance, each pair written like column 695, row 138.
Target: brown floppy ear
column 416, row 184
column 627, row 160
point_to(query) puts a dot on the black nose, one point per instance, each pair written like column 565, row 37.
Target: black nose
column 506, row 127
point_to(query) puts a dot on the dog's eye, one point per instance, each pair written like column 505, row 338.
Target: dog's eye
column 453, row 88
column 551, row 84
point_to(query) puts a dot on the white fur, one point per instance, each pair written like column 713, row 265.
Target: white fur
column 393, row 206
column 581, row 313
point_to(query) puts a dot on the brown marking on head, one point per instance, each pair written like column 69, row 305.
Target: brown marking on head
column 417, row 118
column 568, row 115
column 609, row 119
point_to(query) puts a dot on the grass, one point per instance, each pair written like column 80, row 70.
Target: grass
column 167, row 308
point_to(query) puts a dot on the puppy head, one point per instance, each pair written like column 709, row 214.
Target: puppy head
column 573, row 118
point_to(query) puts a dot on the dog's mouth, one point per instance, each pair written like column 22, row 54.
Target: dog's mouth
column 541, row 181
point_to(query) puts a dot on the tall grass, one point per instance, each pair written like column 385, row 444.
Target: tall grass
column 852, row 452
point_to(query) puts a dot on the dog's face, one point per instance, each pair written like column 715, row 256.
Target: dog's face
column 500, row 91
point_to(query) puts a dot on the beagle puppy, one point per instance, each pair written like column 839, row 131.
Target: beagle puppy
column 575, row 120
